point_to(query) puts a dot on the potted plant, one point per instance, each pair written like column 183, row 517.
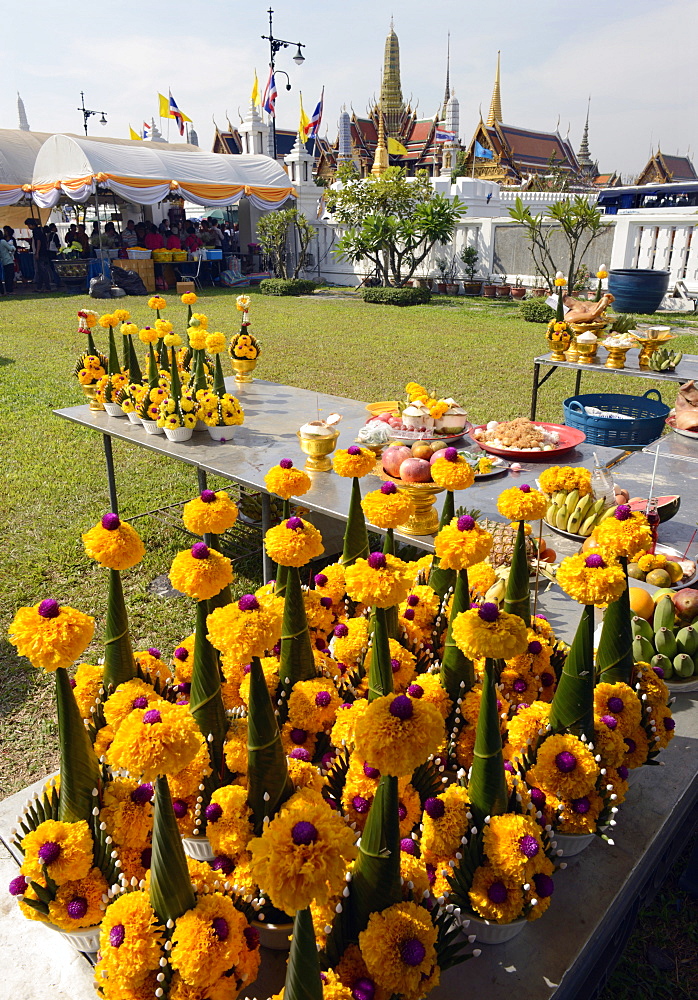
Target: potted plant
column 539, row 291
column 503, row 291
column 442, row 268
column 518, row 291
column 469, row 257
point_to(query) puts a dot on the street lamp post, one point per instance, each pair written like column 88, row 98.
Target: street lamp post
column 275, row 44
column 86, row 114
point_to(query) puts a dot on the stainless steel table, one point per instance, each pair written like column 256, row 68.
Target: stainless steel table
column 677, row 446
column 688, row 370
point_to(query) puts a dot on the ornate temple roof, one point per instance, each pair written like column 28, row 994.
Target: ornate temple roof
column 663, row 169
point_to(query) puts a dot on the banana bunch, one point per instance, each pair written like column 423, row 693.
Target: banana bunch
column 675, row 650
column 578, row 515
column 664, row 359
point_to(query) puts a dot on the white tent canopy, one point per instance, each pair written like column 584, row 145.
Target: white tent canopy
column 145, row 173
column 18, row 152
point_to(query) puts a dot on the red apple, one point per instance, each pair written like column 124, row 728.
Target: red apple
column 685, row 603
column 437, row 454
column 415, row 470
column 420, row 449
column 393, row 458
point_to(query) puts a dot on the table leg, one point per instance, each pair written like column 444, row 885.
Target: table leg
column 267, row 565
column 111, row 480
column 578, row 381
column 534, row 393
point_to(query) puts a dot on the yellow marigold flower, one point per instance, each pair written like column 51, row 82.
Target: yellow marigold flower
column 495, row 896
column 452, row 471
column 379, row 580
column 156, row 302
column 88, row 681
column 428, row 689
column 318, row 611
column 350, row 640
column 189, row 299
column 624, row 533
column 197, row 338
column 580, row 815
column 397, row 733
column 348, row 716
column 132, row 694
column 130, row 942
column 413, row 870
column 209, row 512
column 200, row 572
column 565, row 767
column 313, row 704
column 172, row 340
column 637, row 748
column 148, row 335
column 228, row 820
column 620, row 702
column 128, row 812
column 591, row 579
column 424, row 604
column 651, row 685
column 402, row 661
column 163, row 327
column 79, row 903
column 481, row 577
column 293, row 542
column 244, row 629
column 567, row 478
column 113, row 543
column 526, row 727
column 513, row 845
column 601, row 274
column 398, row 947
column 521, row 503
column 65, row 849
column 608, row 742
column 160, row 740
column 207, row 940
column 462, row 543
column 353, row 461
column 487, row 631
column 122, row 315
column 119, row 988
column 108, row 320
column 185, row 783
column 303, row 774
column 129, row 329
column 51, row 636
column 286, row 481
column 215, row 343
column 201, row 319
column 152, row 665
column 387, row 507
column 445, row 822
column 661, row 718
column 304, row 853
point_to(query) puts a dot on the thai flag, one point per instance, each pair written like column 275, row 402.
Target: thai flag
column 270, row 95
column 146, row 129
column 441, row 135
column 176, row 114
column 313, row 126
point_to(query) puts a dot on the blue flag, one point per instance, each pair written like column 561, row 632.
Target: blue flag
column 482, row 153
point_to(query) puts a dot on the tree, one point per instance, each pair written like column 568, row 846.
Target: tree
column 273, row 231
column 578, row 221
column 391, row 221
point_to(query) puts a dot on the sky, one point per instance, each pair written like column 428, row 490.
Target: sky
column 635, row 60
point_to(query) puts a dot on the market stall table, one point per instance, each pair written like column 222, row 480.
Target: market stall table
column 688, row 369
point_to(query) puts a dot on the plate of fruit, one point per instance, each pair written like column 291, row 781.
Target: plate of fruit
column 665, row 634
column 574, row 516
column 665, row 568
column 524, row 439
column 412, row 464
column 484, row 465
column 420, row 416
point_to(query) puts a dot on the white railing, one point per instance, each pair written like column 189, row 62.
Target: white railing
column 544, row 197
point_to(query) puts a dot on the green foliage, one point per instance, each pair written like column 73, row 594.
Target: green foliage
column 536, row 311
column 470, row 257
column 287, row 286
column 397, row 296
column 273, row 232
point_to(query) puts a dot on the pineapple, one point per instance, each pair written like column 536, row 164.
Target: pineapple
column 504, row 537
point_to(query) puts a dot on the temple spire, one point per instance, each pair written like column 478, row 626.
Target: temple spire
column 495, row 113
column 380, row 160
column 583, row 155
column 447, row 93
column 23, row 123
column 391, row 102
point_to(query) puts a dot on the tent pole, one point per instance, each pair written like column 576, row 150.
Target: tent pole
column 99, row 229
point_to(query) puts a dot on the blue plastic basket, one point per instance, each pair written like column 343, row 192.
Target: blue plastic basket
column 646, row 426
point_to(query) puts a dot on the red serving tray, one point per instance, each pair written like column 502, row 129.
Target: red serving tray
column 570, row 437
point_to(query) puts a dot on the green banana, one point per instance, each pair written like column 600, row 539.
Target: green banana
column 641, row 626
column 592, row 517
column 643, row 650
column 585, row 504
column 664, row 664
column 665, row 642
column 687, row 640
column 607, row 513
column 664, row 614
column 683, row 665
column 571, row 501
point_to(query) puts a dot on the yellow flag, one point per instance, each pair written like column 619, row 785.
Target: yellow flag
column 254, row 96
column 303, row 123
column 132, row 134
column 164, row 107
column 396, row 148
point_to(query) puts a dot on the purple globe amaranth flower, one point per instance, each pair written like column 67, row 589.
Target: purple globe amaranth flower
column 565, row 761
column 360, row 804
column 363, row 989
column 582, row 805
column 534, row 647
column 246, row 669
column 508, row 766
column 304, row 834
column 547, row 679
column 322, row 699
column 522, row 705
column 415, row 691
column 117, row 934
column 49, row 608
column 298, row 736
column 294, row 523
column 395, row 665
column 412, row 600
column 631, row 745
column 408, row 614
column 320, row 579
column 77, row 907
column 659, row 672
column 412, row 952
column 594, row 561
column 73, row 683
column 341, row 631
column 222, row 863
column 450, row 454
column 353, row 449
column 401, row 812
column 538, row 797
column 519, row 685
column 155, row 653
column 431, row 873
column 146, row 857
column 408, row 846
column 327, row 759
column 111, row 521
column 669, row 723
column 615, row 705
column 610, row 721
column 525, row 488
column 18, row 886
column 326, row 602
column 544, row 885
column 213, row 812
column 142, row 794
column 300, row 753
column 622, row 772
column 276, row 649
column 529, row 846
column 622, row 512
column 184, row 687
column 497, row 892
column 474, row 606
column 181, row 653
column 180, row 808
column 49, row 852
column 251, row 936
column 401, row 707
column 377, row 560
column 465, row 523
column 371, row 772
column 488, row 612
column 220, row 928
column 152, row 716
column 199, row 550
column 320, row 642
column 286, row 463
column 434, row 808
column 248, row 602
column 207, row 496
column 388, row 489
column 140, row 702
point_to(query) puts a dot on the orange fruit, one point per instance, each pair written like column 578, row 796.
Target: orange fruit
column 641, row 602
column 590, row 543
column 549, row 556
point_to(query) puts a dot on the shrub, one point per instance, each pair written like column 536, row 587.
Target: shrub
column 537, row 311
column 397, row 296
column 286, row 286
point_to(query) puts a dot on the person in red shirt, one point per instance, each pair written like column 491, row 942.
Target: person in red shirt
column 173, row 240
column 153, row 239
column 192, row 241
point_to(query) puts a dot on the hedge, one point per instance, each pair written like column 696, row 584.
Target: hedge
column 397, row 296
column 537, row 311
column 283, row 286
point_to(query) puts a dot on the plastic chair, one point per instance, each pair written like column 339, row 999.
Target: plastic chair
column 189, row 275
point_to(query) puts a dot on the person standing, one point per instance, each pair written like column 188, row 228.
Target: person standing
column 7, row 259
column 42, row 257
column 129, row 237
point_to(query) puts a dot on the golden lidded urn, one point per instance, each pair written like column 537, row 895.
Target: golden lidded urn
column 94, row 400
column 424, row 520
column 318, row 449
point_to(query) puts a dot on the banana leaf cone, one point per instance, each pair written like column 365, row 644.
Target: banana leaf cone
column 119, row 664
column 224, row 597
column 218, row 379
column 114, row 367
column 572, row 707
column 79, row 765
column 455, row 665
column 517, row 600
column 171, row 892
column 303, row 970
column 614, row 657
column 163, row 355
column 175, row 383
column 380, row 675
column 267, row 768
column 297, row 662
column 443, row 580
column 91, row 348
column 282, row 571
column 391, row 615
column 153, row 371
column 205, row 698
column 487, row 786
column 134, row 369
column 355, row 534
column 200, row 373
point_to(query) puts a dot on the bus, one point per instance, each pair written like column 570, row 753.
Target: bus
column 664, row 196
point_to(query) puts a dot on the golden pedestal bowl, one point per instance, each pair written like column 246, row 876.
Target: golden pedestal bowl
column 616, row 356
column 424, row 520
column 558, row 344
column 649, row 345
column 318, row 450
column 243, row 369
column 587, row 352
column 94, row 400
